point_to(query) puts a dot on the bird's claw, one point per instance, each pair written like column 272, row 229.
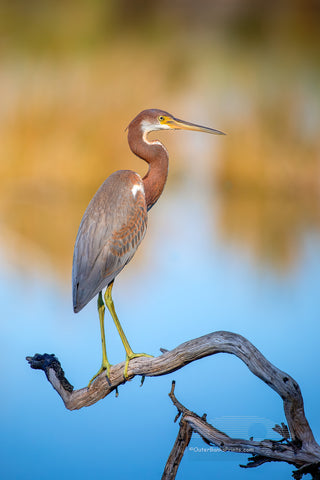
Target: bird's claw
column 104, row 367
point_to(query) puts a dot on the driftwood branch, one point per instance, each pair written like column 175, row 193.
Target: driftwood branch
column 181, row 443
column 305, row 457
column 301, row 450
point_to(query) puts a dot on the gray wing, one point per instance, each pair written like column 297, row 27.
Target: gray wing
column 110, row 232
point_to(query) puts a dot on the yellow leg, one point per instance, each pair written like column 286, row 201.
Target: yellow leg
column 105, row 365
column 129, row 353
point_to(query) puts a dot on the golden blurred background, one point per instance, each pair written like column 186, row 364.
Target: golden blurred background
column 74, row 73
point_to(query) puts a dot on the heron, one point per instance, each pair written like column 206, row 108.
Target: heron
column 115, row 222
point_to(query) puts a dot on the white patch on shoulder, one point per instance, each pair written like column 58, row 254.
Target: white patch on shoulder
column 136, row 187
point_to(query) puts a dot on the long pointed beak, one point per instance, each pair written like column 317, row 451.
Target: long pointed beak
column 177, row 124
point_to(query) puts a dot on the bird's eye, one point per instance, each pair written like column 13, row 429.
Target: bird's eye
column 161, row 118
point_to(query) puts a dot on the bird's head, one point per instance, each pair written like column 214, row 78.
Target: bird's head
column 154, row 119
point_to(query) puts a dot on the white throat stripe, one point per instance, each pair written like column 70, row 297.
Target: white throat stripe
column 148, row 127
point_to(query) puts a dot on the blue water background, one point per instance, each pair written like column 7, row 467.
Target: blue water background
column 183, row 283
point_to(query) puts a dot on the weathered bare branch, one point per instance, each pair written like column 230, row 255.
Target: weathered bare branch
column 301, row 450
column 177, row 452
column 282, row 430
column 261, row 451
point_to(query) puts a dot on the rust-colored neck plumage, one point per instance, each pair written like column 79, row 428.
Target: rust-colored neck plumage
column 156, row 155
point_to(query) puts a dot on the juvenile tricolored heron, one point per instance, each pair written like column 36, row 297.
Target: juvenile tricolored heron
column 115, row 221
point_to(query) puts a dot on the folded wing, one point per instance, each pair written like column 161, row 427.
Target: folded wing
column 110, row 232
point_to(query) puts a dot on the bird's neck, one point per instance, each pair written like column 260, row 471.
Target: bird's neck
column 156, row 155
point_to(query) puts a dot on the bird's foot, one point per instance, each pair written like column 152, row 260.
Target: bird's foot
column 105, row 366
column 129, row 357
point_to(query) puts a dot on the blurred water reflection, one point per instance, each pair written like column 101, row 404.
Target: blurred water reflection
column 268, row 229
column 187, row 285
column 63, row 132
